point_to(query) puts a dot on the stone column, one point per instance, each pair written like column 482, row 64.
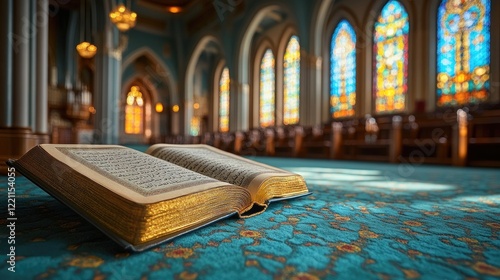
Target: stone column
column 107, row 89
column 32, row 92
column 107, row 99
column 15, row 131
column 314, row 71
column 20, row 44
column 6, row 63
column 42, row 68
column 243, row 108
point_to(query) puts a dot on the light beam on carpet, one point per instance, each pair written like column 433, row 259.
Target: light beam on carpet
column 486, row 199
column 334, row 170
column 405, row 186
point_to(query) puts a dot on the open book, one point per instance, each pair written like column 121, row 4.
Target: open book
column 143, row 199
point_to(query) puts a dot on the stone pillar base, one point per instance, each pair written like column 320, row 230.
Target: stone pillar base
column 15, row 143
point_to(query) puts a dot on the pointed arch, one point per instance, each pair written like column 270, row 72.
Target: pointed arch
column 189, row 76
column 368, row 73
column 260, row 49
column 343, row 70
column 220, row 67
column 162, row 70
column 155, row 71
column 294, row 63
column 342, row 13
column 390, row 58
column 463, row 52
column 291, row 81
column 132, row 110
column 245, row 62
column 267, row 90
column 223, row 100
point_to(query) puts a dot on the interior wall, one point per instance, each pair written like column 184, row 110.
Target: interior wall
column 314, row 94
column 237, row 34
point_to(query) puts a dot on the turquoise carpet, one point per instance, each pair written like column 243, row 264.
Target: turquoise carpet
column 364, row 221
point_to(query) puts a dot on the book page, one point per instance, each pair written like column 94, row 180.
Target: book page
column 217, row 164
column 131, row 173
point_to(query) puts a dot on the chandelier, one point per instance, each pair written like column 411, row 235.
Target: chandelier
column 123, row 18
column 86, row 49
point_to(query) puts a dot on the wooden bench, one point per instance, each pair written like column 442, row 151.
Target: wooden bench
column 452, row 137
column 282, row 141
column 251, row 142
column 483, row 136
column 368, row 139
column 430, row 138
column 224, row 141
column 314, row 142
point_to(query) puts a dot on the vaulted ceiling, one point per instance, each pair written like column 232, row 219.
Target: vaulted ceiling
column 180, row 3
column 166, row 5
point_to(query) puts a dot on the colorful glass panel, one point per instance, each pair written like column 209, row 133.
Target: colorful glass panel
column 343, row 71
column 390, row 50
column 267, row 90
column 291, row 91
column 195, row 126
column 463, row 52
column 134, row 111
column 224, row 101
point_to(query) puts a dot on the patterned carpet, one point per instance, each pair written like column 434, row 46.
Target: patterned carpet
column 363, row 221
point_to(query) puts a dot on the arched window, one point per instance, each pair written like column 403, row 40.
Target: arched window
column 463, row 52
column 390, row 51
column 291, row 91
column 267, row 89
column 134, row 111
column 343, row 71
column 224, row 101
column 195, row 126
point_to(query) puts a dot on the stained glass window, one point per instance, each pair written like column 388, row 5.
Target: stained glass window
column 390, row 50
column 291, row 91
column 343, row 71
column 463, row 52
column 195, row 126
column 267, row 89
column 134, row 111
column 224, row 101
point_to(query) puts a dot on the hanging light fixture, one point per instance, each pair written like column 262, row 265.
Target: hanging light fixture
column 123, row 18
column 174, row 9
column 159, row 107
column 85, row 49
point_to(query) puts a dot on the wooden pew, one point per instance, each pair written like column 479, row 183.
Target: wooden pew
column 430, row 138
column 452, row 138
column 314, row 142
column 224, row 141
column 370, row 139
column 173, row 139
column 251, row 142
column 483, row 147
column 281, row 141
column 208, row 138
